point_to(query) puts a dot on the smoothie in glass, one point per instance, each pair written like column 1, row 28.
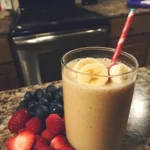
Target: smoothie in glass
column 97, row 100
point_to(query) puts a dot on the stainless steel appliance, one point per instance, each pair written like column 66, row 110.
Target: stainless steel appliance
column 40, row 38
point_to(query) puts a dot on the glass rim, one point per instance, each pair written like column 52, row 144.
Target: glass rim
column 100, row 48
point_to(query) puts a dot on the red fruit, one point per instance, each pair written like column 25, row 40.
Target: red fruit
column 35, row 125
column 54, row 124
column 23, row 141
column 47, row 135
column 44, row 148
column 18, row 120
column 60, row 143
column 23, row 129
column 39, row 141
column 10, row 143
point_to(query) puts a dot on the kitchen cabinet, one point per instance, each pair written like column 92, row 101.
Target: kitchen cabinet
column 8, row 75
column 138, row 39
column 137, row 45
column 5, row 54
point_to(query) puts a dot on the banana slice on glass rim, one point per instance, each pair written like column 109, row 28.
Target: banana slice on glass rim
column 81, row 63
column 120, row 70
column 94, row 74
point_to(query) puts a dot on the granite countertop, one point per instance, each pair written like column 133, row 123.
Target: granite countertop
column 5, row 21
column 114, row 8
column 9, row 101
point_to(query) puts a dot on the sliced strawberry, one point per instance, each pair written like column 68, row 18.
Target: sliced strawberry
column 35, row 125
column 10, row 143
column 39, row 141
column 18, row 120
column 55, row 124
column 23, row 141
column 60, row 143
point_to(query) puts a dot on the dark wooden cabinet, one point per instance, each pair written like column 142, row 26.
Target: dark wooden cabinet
column 8, row 77
column 137, row 46
column 138, row 41
column 5, row 54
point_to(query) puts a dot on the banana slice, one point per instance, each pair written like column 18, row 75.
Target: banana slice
column 93, row 74
column 118, row 70
column 81, row 63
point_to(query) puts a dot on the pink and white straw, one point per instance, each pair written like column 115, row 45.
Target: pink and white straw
column 123, row 36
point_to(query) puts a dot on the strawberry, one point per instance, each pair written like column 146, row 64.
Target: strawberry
column 54, row 124
column 35, row 125
column 23, row 141
column 39, row 141
column 23, row 129
column 47, row 135
column 10, row 143
column 18, row 120
column 44, row 148
column 60, row 143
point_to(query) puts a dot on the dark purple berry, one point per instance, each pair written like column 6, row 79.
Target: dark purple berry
column 58, row 96
column 51, row 89
column 28, row 96
column 56, row 108
column 42, row 111
column 24, row 104
column 32, row 106
column 40, row 93
column 43, row 101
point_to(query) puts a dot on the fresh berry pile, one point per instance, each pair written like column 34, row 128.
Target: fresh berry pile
column 43, row 102
column 39, row 122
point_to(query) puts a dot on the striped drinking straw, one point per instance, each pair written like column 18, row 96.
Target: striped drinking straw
column 122, row 37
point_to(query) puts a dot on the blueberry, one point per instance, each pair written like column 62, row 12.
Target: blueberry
column 32, row 103
column 32, row 113
column 56, row 108
column 43, row 101
column 42, row 111
column 40, row 93
column 32, row 106
column 49, row 96
column 34, row 96
column 28, row 96
column 58, row 101
column 58, row 96
column 60, row 91
column 23, row 104
column 51, row 89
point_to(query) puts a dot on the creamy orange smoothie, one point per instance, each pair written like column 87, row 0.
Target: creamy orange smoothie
column 96, row 107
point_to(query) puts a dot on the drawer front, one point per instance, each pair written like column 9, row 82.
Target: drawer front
column 5, row 54
column 137, row 46
column 141, row 24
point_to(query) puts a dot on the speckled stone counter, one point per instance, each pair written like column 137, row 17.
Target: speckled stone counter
column 114, row 8
column 138, row 130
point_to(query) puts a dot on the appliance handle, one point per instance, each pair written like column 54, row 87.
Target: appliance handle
column 40, row 38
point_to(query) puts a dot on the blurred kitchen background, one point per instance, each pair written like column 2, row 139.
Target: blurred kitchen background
column 35, row 34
